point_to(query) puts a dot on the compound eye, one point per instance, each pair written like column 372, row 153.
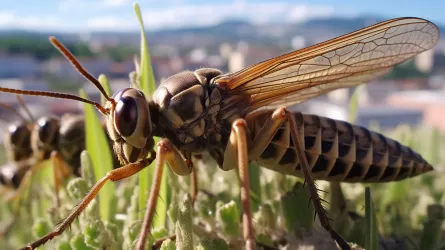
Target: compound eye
column 46, row 128
column 126, row 115
column 18, row 133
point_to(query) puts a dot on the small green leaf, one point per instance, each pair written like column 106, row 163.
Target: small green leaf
column 296, row 209
column 64, row 245
column 228, row 215
column 78, row 243
column 41, row 227
column 184, row 225
column 168, row 245
column 159, row 233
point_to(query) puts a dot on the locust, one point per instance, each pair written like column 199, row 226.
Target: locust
column 244, row 117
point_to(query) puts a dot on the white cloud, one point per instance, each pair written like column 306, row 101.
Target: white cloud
column 77, row 15
column 210, row 14
column 10, row 20
column 116, row 2
column 111, row 23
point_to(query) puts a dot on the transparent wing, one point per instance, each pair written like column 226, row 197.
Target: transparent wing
column 346, row 61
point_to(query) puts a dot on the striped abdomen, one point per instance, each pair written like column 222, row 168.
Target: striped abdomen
column 338, row 151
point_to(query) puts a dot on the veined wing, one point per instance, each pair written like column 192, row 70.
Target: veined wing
column 345, row 61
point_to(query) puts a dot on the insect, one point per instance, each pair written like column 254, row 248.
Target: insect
column 17, row 142
column 242, row 116
column 14, row 174
column 31, row 142
column 62, row 140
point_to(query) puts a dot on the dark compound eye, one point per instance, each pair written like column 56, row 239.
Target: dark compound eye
column 18, row 133
column 45, row 129
column 126, row 116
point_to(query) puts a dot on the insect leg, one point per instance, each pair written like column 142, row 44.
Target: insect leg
column 113, row 175
column 316, row 200
column 237, row 149
column 262, row 140
column 165, row 152
column 60, row 172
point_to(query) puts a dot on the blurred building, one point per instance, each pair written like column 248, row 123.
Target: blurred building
column 13, row 66
column 424, row 61
column 430, row 103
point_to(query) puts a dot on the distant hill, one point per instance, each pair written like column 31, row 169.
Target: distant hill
column 314, row 30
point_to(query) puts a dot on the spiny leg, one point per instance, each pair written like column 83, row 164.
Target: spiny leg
column 316, row 200
column 263, row 139
column 165, row 152
column 113, row 175
column 237, row 154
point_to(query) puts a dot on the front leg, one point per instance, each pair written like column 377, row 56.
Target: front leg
column 264, row 137
column 236, row 154
column 113, row 175
column 165, row 152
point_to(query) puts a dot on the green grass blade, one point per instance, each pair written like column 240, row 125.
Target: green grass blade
column 354, row 104
column 148, row 86
column 104, row 81
column 431, row 234
column 372, row 237
column 99, row 150
column 147, row 77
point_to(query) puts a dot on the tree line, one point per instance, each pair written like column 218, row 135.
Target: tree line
column 42, row 50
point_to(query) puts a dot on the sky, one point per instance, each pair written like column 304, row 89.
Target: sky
column 118, row 15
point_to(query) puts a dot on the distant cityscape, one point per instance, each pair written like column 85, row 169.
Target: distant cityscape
column 229, row 46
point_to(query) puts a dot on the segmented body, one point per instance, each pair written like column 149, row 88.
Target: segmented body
column 337, row 151
column 197, row 116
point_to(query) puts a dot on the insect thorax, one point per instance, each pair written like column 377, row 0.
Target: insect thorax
column 191, row 111
column 72, row 140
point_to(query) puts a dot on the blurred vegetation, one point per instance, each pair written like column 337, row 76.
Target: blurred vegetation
column 39, row 48
column 407, row 215
column 407, row 70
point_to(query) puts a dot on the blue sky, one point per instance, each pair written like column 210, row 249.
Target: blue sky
column 88, row 15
